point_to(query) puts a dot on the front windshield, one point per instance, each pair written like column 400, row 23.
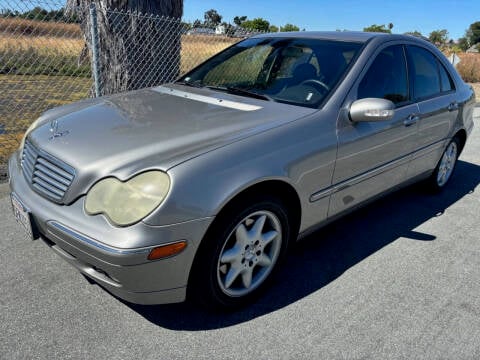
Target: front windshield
column 291, row 70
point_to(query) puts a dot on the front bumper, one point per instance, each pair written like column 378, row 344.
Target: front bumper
column 114, row 257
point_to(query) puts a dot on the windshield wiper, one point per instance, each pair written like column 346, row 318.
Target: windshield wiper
column 253, row 94
column 187, row 83
column 241, row 91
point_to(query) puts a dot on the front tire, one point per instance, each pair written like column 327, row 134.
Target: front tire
column 240, row 253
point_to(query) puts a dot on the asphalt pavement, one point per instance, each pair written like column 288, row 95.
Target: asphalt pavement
column 399, row 279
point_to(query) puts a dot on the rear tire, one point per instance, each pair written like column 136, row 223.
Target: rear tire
column 445, row 167
column 240, row 253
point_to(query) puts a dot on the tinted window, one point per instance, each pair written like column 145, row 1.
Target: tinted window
column 446, row 80
column 225, row 73
column 424, row 71
column 291, row 70
column 387, row 77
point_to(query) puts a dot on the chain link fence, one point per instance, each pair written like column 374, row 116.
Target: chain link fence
column 50, row 57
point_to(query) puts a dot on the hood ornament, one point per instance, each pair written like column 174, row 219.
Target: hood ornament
column 54, row 130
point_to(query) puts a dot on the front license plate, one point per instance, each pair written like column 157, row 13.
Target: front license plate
column 22, row 215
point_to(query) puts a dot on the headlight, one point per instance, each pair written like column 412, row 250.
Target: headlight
column 126, row 203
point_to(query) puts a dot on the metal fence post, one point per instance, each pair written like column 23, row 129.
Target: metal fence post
column 95, row 59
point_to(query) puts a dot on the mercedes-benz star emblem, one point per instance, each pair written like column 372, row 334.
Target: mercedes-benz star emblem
column 54, row 130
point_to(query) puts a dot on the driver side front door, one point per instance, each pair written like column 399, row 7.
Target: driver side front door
column 374, row 156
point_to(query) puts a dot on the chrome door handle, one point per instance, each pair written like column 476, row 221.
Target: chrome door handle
column 452, row 106
column 411, row 119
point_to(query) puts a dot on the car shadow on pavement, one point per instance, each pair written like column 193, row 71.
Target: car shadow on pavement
column 326, row 254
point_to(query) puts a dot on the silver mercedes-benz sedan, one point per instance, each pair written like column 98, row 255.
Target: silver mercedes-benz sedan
column 196, row 188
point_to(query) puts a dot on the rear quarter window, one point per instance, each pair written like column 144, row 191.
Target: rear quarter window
column 445, row 79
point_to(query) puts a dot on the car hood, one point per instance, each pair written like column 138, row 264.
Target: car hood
column 152, row 128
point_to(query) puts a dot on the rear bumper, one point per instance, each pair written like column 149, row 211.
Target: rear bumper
column 115, row 258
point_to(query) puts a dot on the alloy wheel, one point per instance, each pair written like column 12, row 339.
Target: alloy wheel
column 447, row 164
column 249, row 253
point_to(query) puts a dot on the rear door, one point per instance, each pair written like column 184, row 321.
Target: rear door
column 434, row 90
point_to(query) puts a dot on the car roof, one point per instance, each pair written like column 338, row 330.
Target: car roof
column 355, row 36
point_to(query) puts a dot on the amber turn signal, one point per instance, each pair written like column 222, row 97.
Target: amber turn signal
column 164, row 251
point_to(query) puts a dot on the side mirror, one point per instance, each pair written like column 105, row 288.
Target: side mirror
column 372, row 109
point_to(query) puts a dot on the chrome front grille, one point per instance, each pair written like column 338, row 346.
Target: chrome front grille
column 47, row 175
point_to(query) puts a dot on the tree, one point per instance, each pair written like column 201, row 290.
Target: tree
column 273, row 28
column 414, row 33
column 463, row 43
column 37, row 13
column 238, row 20
column 212, row 18
column 6, row 13
column 473, row 33
column 186, row 26
column 378, row 28
column 289, row 27
column 135, row 50
column 229, row 28
column 438, row 37
column 257, row 24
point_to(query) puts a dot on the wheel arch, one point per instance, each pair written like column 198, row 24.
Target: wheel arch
column 279, row 189
column 462, row 136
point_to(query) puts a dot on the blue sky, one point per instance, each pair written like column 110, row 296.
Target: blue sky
column 421, row 15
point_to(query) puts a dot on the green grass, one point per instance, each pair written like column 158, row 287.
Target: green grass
column 24, row 97
column 42, row 55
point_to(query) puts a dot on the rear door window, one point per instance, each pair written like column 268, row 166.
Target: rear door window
column 423, row 66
